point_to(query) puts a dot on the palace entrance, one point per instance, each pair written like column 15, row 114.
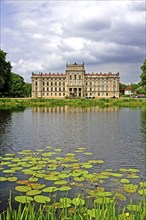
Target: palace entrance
column 75, row 92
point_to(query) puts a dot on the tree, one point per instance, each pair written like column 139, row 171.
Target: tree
column 122, row 88
column 134, row 86
column 143, row 74
column 143, row 77
column 5, row 74
column 17, row 86
column 27, row 90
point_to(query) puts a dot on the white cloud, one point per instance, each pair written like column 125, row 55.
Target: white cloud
column 44, row 35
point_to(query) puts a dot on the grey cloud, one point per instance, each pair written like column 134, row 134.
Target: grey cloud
column 137, row 6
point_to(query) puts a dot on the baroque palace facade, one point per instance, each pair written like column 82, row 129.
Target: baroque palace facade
column 75, row 83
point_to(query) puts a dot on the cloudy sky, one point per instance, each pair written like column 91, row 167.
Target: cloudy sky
column 42, row 36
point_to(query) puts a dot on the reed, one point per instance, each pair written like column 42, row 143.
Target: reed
column 104, row 211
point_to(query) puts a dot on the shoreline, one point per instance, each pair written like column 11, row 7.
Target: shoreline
column 10, row 103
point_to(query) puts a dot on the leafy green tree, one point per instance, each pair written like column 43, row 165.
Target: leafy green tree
column 143, row 74
column 27, row 89
column 5, row 74
column 17, row 86
column 134, row 86
column 143, row 77
column 122, row 88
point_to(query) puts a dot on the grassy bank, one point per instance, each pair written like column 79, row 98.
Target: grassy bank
column 69, row 210
column 8, row 103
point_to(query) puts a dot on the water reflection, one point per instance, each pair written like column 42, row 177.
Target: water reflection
column 67, row 109
column 143, row 126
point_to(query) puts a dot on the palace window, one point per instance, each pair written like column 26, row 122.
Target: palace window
column 75, row 77
column 79, row 77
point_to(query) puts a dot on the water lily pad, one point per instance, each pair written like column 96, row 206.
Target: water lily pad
column 79, row 178
column 104, row 200
column 42, row 199
column 124, row 170
column 37, row 167
column 9, row 171
column 100, row 161
column 88, row 153
column 87, row 166
column 104, row 194
column 133, row 170
column 33, row 192
column 131, row 188
column 81, row 148
column 59, row 158
column 5, row 163
column 38, row 186
column 65, row 188
column 70, row 155
column 9, row 155
column 124, row 180
column 76, row 173
column 65, row 202
column 78, row 201
column 60, row 182
column 7, row 158
column 2, row 179
column 12, row 164
column 63, row 175
column 92, row 213
column 40, row 175
column 16, row 168
column 12, row 179
column 133, row 176
column 28, row 172
column 48, row 154
column 117, row 174
column 22, row 188
column 23, row 182
column 51, row 177
column 33, row 179
column 50, row 189
column 23, row 199
column 16, row 160
column 142, row 191
column 49, row 147
column 120, row 196
column 88, row 175
column 58, row 149
column 142, row 184
column 95, row 192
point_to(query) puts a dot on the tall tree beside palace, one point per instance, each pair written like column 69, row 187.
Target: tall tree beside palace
column 5, row 74
column 143, row 77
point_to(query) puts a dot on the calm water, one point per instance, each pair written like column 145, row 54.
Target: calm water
column 117, row 136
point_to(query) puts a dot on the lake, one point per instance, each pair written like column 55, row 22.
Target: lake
column 115, row 135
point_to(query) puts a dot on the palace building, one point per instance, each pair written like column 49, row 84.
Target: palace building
column 75, row 83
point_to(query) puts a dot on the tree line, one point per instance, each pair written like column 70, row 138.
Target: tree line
column 140, row 87
column 11, row 84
